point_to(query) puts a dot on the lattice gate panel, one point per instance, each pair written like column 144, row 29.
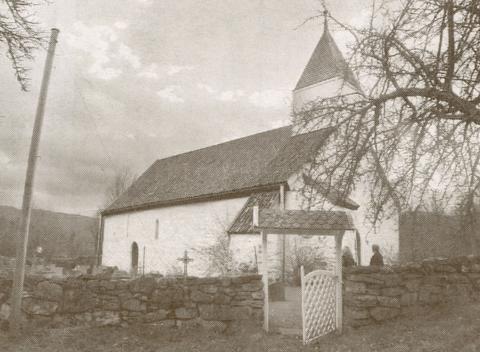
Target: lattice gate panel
column 318, row 304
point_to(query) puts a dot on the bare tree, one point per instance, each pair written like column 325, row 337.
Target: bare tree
column 122, row 180
column 20, row 35
column 415, row 126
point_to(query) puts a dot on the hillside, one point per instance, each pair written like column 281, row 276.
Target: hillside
column 59, row 234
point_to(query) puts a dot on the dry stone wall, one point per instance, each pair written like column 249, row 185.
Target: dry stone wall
column 376, row 294
column 96, row 301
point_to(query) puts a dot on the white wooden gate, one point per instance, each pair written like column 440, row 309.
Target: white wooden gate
column 318, row 304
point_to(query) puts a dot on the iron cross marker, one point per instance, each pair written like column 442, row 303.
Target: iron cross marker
column 185, row 259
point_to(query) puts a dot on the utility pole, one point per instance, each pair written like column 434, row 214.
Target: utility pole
column 23, row 231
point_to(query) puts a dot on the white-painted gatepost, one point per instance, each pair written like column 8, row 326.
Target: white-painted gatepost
column 321, row 290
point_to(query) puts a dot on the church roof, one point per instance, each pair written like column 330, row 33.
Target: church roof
column 259, row 162
column 325, row 63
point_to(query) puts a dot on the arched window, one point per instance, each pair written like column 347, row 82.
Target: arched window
column 134, row 256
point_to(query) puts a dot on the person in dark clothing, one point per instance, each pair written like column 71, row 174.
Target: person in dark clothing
column 377, row 258
column 347, row 258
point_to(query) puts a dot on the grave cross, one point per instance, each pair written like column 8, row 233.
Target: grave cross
column 185, row 259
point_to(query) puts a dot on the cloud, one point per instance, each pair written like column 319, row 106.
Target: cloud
column 170, row 93
column 126, row 53
column 174, row 69
column 206, row 87
column 230, row 95
column 101, row 45
column 150, row 72
column 120, row 24
column 269, row 98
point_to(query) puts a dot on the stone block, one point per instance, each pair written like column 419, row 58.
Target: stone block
column 5, row 311
column 49, row 291
column 385, row 301
column 105, row 318
column 223, row 312
column 134, row 305
column 409, row 298
column 209, row 289
column 370, row 279
column 362, row 301
column 221, row 299
column 384, row 313
column 185, row 313
column 33, row 306
column 259, row 295
column 355, row 287
column 144, row 285
column 355, row 314
column 443, row 268
column 201, row 297
column 392, row 280
column 392, row 291
column 158, row 315
column 412, row 285
column 210, row 325
column 107, row 285
column 78, row 301
column 251, row 286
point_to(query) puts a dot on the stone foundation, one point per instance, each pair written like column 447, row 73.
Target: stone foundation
column 96, row 301
column 377, row 294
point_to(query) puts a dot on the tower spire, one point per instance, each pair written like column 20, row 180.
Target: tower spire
column 325, row 20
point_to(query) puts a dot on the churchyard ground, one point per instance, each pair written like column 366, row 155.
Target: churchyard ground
column 441, row 329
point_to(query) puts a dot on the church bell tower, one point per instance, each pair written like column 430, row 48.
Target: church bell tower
column 326, row 75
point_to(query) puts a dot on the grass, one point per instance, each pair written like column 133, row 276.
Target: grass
column 440, row 330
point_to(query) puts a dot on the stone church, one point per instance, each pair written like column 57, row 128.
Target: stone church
column 195, row 200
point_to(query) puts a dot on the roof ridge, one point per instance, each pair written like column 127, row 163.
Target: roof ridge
column 222, row 143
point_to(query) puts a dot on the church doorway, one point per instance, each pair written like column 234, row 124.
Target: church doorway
column 134, row 256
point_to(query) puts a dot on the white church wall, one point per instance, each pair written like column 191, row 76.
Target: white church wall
column 385, row 234
column 326, row 89
column 182, row 227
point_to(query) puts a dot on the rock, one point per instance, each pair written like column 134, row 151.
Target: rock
column 38, row 307
column 107, row 285
column 355, row 287
column 389, row 301
column 383, row 313
column 134, row 305
column 251, row 287
column 185, row 313
column 259, row 295
column 201, row 297
column 144, row 285
column 409, row 299
column 392, row 291
column 5, row 310
column 371, row 279
column 223, row 312
column 78, row 301
column 356, row 314
column 105, row 318
column 217, row 326
column 158, row 315
column 209, row 289
column 49, row 291
column 363, row 301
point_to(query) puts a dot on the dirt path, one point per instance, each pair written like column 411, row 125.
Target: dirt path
column 441, row 330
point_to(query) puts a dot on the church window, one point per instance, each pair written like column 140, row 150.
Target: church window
column 156, row 229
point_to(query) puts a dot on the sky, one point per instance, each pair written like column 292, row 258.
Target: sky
column 139, row 80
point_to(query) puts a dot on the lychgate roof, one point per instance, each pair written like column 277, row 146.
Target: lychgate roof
column 304, row 220
column 248, row 164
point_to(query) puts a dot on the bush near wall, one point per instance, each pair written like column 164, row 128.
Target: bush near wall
column 376, row 294
column 95, row 301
